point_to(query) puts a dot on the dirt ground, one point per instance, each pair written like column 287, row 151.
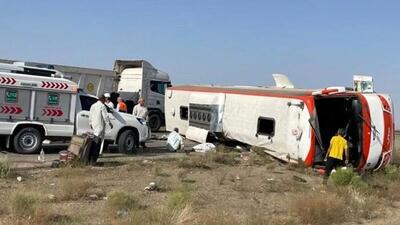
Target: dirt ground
column 214, row 188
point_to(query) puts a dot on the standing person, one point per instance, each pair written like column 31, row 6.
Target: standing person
column 174, row 141
column 98, row 118
column 334, row 156
column 121, row 106
column 108, row 102
column 141, row 111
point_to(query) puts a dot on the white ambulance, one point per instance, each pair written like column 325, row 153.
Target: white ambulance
column 38, row 104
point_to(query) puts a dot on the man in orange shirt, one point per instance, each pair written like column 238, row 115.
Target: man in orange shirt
column 121, row 106
column 334, row 156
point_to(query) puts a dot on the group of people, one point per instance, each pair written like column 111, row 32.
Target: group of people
column 139, row 110
column 98, row 120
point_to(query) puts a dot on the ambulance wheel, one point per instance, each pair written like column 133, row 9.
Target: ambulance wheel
column 155, row 122
column 126, row 142
column 28, row 140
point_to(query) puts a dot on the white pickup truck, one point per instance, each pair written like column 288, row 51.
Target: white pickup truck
column 34, row 108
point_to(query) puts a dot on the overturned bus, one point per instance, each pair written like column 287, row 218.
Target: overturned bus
column 291, row 124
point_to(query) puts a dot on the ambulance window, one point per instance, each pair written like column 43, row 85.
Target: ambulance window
column 86, row 102
column 266, row 126
column 184, row 113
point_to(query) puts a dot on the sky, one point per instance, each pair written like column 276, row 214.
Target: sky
column 315, row 43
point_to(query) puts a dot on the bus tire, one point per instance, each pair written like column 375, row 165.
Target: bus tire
column 28, row 140
column 126, row 142
column 155, row 122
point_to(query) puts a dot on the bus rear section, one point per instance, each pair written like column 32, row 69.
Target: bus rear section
column 368, row 123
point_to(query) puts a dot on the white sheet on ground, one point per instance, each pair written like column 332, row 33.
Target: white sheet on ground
column 203, row 148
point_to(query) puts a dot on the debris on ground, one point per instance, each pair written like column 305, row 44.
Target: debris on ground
column 19, row 178
column 151, row 187
column 299, row 179
column 203, row 148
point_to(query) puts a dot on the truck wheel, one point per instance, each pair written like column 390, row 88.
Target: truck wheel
column 28, row 141
column 126, row 142
column 154, row 122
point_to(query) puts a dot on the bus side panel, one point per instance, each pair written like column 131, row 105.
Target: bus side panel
column 14, row 103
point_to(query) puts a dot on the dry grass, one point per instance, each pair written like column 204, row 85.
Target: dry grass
column 46, row 216
column 178, row 198
column 69, row 172
column 74, row 189
column 319, row 209
column 163, row 216
column 248, row 193
column 221, row 176
column 230, row 159
column 194, row 162
column 159, row 172
column 122, row 201
column 23, row 204
column 4, row 166
column 284, row 185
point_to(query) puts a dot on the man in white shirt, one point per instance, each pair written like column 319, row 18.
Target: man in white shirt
column 108, row 102
column 174, row 141
column 141, row 111
column 98, row 118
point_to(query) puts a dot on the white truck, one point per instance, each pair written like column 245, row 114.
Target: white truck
column 129, row 79
column 35, row 107
column 140, row 78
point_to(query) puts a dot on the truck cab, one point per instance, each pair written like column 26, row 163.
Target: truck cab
column 138, row 78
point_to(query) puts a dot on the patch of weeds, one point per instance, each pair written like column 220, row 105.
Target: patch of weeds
column 163, row 216
column 68, row 172
column 199, row 162
column 221, row 176
column 122, row 201
column 343, row 177
column 359, row 203
column 283, row 185
column 158, row 172
column 216, row 218
column 163, row 185
column 135, row 165
column 77, row 163
column 319, row 209
column 4, row 166
column 257, row 160
column 224, row 158
column 270, row 166
column 182, row 176
column 24, row 204
column 178, row 198
column 74, row 189
column 392, row 173
column 44, row 216
column 358, row 183
column 258, row 218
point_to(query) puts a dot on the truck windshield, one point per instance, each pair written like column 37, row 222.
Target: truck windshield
column 86, row 102
column 159, row 86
